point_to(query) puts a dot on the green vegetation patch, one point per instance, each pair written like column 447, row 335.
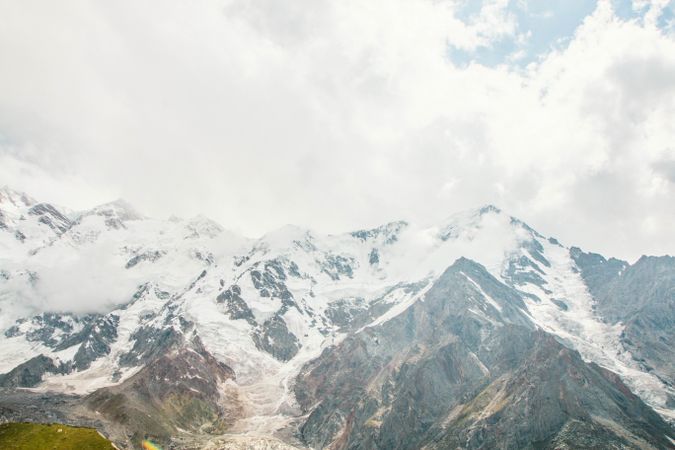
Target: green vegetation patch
column 36, row 436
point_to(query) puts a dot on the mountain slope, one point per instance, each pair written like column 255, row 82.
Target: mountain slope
column 641, row 298
column 183, row 389
column 94, row 305
column 465, row 367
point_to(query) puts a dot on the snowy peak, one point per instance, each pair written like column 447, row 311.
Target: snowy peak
column 287, row 237
column 51, row 217
column 115, row 213
column 468, row 357
column 267, row 307
column 27, row 223
column 468, row 220
column 386, row 234
column 11, row 199
column 203, row 226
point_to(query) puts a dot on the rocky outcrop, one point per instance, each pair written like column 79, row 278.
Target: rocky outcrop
column 269, row 279
column 185, row 388
column 596, row 270
column 336, row 266
column 425, row 357
column 51, row 217
column 150, row 256
column 114, row 214
column 29, row 373
column 95, row 340
column 50, row 329
column 93, row 334
column 387, row 234
column 149, row 343
column 274, row 338
column 552, row 399
column 641, row 297
column 465, row 368
column 237, row 308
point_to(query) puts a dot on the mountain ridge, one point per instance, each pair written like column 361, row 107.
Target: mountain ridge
column 271, row 308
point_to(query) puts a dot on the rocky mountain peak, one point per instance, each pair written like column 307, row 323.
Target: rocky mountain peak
column 203, row 226
column 10, row 198
column 398, row 336
column 119, row 209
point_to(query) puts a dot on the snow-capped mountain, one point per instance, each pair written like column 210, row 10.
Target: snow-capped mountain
column 299, row 338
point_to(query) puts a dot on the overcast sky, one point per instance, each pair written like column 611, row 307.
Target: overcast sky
column 342, row 114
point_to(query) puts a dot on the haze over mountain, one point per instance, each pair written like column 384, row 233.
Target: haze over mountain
column 341, row 115
column 477, row 332
column 341, row 224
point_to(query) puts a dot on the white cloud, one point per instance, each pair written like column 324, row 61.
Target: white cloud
column 339, row 115
column 652, row 9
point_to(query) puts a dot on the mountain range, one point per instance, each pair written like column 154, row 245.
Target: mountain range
column 474, row 333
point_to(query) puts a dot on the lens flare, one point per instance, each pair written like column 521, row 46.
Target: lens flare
column 149, row 445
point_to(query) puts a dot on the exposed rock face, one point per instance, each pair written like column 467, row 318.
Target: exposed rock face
column 552, row 399
column 349, row 312
column 49, row 329
column 274, row 338
column 642, row 297
column 529, row 267
column 649, row 287
column 30, row 373
column 336, row 266
column 270, row 280
column 150, row 256
column 237, row 308
column 596, row 270
column 94, row 340
column 51, row 217
column 356, row 340
column 30, row 222
column 387, row 233
column 115, row 213
column 464, row 368
column 93, row 334
column 185, row 388
column 150, row 343
column 425, row 356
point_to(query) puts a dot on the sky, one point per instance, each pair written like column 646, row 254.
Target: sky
column 340, row 115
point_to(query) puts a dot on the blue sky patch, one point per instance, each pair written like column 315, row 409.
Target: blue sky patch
column 542, row 25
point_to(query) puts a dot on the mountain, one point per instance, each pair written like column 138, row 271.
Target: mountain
column 641, row 299
column 184, row 388
column 465, row 368
column 477, row 332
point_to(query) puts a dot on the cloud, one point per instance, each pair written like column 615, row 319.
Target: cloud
column 79, row 286
column 340, row 115
column 666, row 168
